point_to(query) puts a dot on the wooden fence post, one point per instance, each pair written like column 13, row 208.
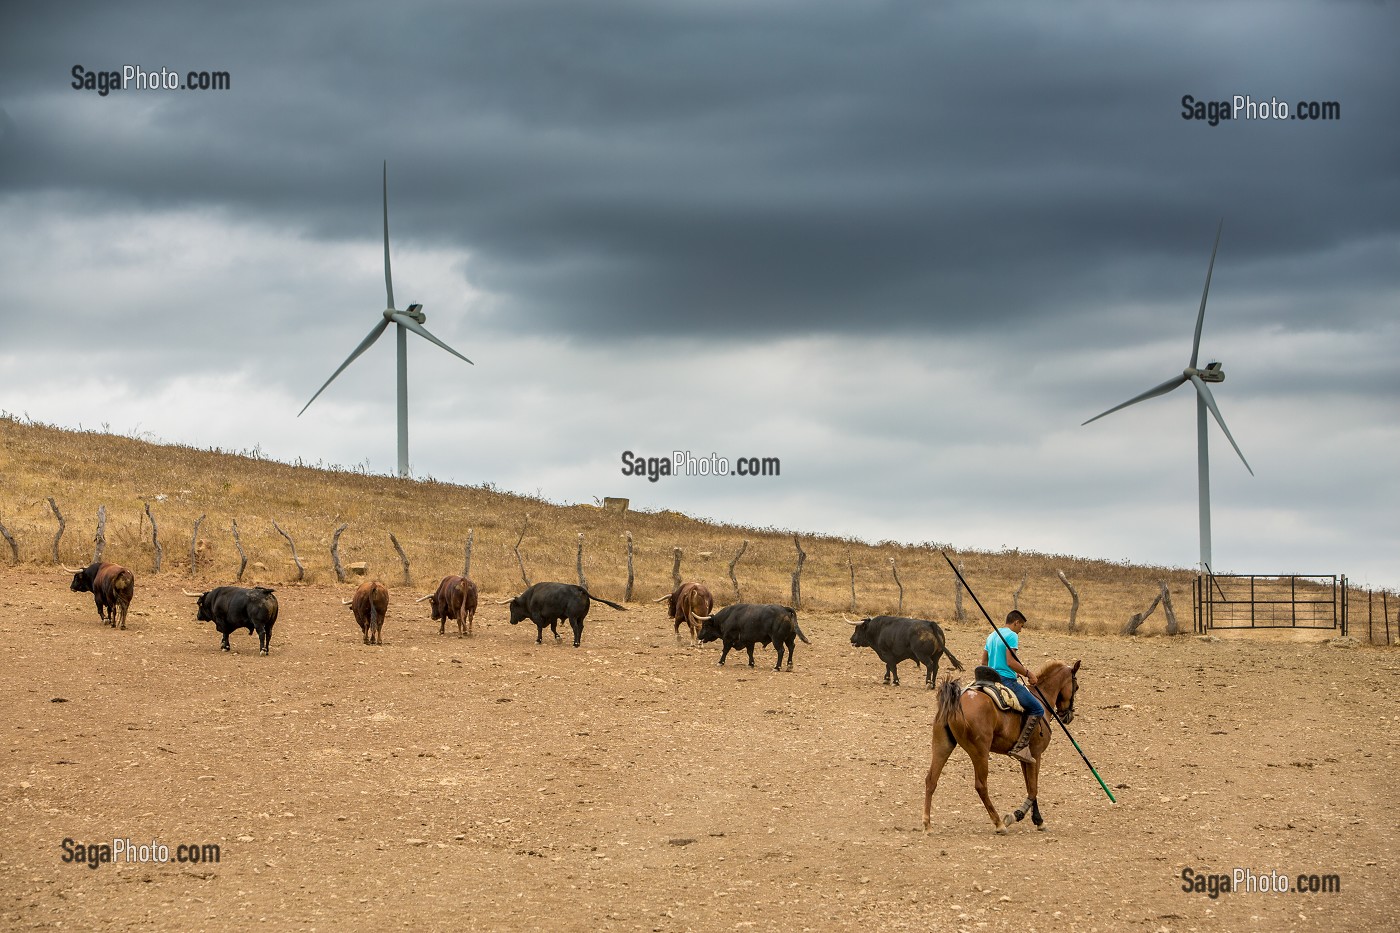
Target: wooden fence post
column 155, row 540
column 243, row 558
column 61, row 525
column 10, row 540
column 1131, row 626
column 676, row 569
column 733, row 579
column 407, row 580
column 194, row 544
column 467, row 562
column 852, row 568
column 957, row 596
column 1016, row 596
column 518, row 559
column 797, row 574
column 582, row 580
column 894, row 569
column 1172, row 628
column 335, row 551
column 627, row 598
column 301, row 571
column 1074, row 599
column 99, row 541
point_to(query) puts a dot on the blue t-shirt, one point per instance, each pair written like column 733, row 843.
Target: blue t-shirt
column 996, row 652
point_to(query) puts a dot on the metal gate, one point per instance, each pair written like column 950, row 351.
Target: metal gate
column 1235, row 601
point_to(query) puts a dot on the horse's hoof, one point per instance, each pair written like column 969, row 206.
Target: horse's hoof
column 1001, row 830
column 1040, row 828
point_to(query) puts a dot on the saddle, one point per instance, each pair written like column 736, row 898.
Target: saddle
column 989, row 682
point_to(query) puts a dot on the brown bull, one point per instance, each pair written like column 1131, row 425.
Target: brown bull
column 687, row 604
column 370, row 604
column 111, row 586
column 456, row 598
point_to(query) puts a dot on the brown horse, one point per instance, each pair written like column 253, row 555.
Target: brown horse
column 973, row 721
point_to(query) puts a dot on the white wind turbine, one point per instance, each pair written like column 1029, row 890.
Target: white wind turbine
column 1213, row 372
column 410, row 319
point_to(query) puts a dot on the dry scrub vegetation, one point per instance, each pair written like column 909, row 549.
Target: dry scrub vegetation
column 85, row 470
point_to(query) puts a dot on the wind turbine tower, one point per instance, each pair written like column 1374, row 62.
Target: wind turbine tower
column 410, row 319
column 1199, row 378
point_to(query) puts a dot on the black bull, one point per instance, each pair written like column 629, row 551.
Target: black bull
column 234, row 607
column 896, row 639
column 744, row 625
column 548, row 603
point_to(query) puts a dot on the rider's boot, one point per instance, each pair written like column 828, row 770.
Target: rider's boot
column 1021, row 750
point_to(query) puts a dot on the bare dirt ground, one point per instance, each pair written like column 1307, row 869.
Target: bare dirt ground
column 487, row 783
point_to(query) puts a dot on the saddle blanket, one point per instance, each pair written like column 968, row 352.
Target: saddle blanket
column 1000, row 694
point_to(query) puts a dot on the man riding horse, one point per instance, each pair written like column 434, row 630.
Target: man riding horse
column 996, row 656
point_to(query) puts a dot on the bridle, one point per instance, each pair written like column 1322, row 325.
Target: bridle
column 1067, row 714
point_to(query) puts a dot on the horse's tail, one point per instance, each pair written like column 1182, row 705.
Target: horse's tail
column 949, row 694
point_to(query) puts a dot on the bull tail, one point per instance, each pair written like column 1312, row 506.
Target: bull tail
column 801, row 635
column 955, row 662
column 270, row 602
column 605, row 602
column 949, row 695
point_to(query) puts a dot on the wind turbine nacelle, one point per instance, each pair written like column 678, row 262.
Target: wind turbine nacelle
column 1214, row 372
column 415, row 311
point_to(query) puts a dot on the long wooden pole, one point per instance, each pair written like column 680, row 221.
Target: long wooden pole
column 1049, row 708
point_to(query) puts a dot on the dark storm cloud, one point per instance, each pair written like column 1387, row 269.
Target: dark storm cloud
column 662, row 169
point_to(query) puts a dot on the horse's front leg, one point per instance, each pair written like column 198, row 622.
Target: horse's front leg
column 1030, row 805
column 943, row 746
column 1032, row 773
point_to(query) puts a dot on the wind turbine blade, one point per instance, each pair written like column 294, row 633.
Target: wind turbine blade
column 1162, row 389
column 422, row 331
column 1204, row 392
column 388, row 278
column 364, row 345
column 1201, row 315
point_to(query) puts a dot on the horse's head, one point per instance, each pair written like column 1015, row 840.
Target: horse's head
column 1066, row 686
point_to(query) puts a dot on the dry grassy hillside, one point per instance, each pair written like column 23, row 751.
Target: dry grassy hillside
column 85, row 470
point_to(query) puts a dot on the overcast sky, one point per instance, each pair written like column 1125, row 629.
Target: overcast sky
column 905, row 247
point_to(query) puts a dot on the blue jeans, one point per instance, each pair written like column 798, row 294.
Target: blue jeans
column 1023, row 693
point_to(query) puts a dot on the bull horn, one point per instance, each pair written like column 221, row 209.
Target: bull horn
column 345, row 602
column 703, row 618
column 189, row 594
column 848, row 621
column 502, row 602
column 662, row 599
column 421, row 598
column 67, row 569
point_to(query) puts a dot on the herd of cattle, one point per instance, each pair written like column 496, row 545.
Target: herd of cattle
column 742, row 625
